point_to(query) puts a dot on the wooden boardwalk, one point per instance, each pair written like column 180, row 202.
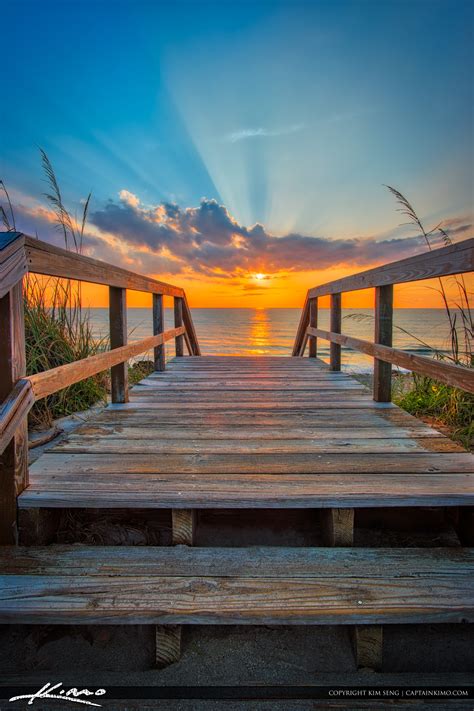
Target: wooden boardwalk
column 219, row 433
column 215, row 432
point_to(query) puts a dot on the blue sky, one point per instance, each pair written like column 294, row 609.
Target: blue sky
column 290, row 114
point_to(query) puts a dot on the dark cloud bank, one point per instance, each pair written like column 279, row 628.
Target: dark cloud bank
column 208, row 239
column 168, row 238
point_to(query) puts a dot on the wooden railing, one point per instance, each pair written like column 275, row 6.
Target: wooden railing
column 20, row 254
column 455, row 259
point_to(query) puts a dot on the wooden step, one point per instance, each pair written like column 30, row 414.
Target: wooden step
column 182, row 585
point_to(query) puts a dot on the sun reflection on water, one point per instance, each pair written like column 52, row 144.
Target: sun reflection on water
column 259, row 339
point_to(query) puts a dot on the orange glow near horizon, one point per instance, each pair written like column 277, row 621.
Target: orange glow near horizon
column 282, row 290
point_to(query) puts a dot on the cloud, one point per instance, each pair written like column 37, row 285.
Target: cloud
column 129, row 198
column 208, row 240
column 244, row 133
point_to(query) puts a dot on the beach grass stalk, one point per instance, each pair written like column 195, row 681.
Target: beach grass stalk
column 424, row 396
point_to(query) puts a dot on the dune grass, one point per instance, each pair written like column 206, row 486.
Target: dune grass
column 424, row 396
column 58, row 331
column 57, row 328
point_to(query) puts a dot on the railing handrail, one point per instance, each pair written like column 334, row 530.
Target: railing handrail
column 21, row 254
column 445, row 261
column 46, row 259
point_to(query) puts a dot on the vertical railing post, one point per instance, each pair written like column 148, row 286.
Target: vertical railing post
column 335, row 327
column 383, row 335
column 313, row 322
column 118, row 337
column 14, row 460
column 159, row 327
column 178, row 322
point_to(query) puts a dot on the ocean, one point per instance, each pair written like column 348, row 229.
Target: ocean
column 272, row 331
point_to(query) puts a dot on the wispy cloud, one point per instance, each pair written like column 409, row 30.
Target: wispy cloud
column 245, row 133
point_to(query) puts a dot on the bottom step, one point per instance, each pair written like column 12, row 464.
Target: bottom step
column 181, row 585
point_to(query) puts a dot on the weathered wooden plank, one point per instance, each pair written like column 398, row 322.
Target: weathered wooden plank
column 14, row 458
column 316, row 416
column 44, row 258
column 118, row 338
column 157, row 445
column 178, row 323
column 136, row 431
column 229, row 404
column 345, row 593
column 343, row 464
column 190, row 330
column 156, row 387
column 455, row 375
column 158, row 327
column 301, row 332
column 145, row 393
column 14, row 410
column 455, row 259
column 172, row 490
column 313, row 322
column 383, row 335
column 335, row 320
column 55, row 379
column 13, row 264
column 252, row 377
column 153, row 561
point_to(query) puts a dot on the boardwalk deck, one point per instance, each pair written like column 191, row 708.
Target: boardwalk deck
column 247, row 432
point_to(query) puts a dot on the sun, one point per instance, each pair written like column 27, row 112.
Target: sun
column 260, row 276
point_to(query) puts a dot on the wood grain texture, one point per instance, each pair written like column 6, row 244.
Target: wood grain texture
column 301, row 331
column 168, row 645
column 313, row 322
column 455, row 375
column 237, row 586
column 233, row 442
column 178, row 323
column 383, row 336
column 455, row 259
column 14, row 457
column 232, row 445
column 13, row 411
column 338, row 526
column 368, row 646
column 13, row 264
column 142, row 490
column 44, row 258
column 190, row 329
column 159, row 354
column 335, row 321
column 56, row 379
column 118, row 338
column 183, row 527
